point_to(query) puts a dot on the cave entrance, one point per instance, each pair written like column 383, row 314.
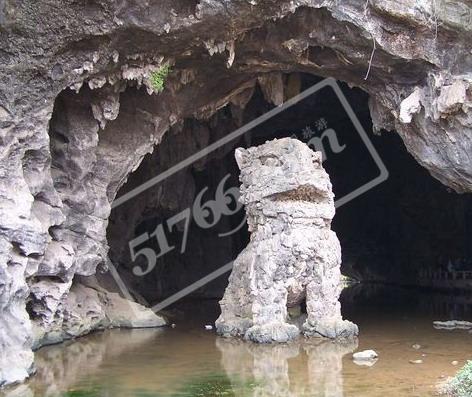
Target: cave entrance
column 407, row 230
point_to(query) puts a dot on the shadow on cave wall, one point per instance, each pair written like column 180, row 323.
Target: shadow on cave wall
column 406, row 224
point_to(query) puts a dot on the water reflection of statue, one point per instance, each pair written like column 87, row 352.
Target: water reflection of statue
column 325, row 366
column 315, row 367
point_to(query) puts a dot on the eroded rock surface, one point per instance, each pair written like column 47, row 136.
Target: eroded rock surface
column 66, row 312
column 56, row 190
column 293, row 254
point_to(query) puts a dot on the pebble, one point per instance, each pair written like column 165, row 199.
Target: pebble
column 173, row 325
column 365, row 355
column 208, row 327
column 455, row 362
column 416, row 361
column 416, row 346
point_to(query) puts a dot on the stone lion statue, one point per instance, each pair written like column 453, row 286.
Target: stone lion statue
column 293, row 255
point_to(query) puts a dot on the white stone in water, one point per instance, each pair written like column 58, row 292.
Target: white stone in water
column 452, row 324
column 366, row 358
column 416, row 361
column 289, row 205
column 366, row 355
column 208, row 327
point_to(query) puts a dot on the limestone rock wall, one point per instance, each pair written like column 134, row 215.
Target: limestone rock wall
column 293, row 254
column 413, row 58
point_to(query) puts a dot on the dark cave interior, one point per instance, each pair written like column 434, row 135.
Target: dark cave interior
column 394, row 232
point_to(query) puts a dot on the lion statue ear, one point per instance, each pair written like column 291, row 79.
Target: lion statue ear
column 240, row 155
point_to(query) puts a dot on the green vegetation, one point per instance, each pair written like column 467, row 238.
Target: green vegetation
column 159, row 77
column 89, row 392
column 461, row 384
column 214, row 386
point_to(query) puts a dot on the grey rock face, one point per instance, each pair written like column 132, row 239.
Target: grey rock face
column 73, row 311
column 15, row 327
column 293, row 254
column 55, row 195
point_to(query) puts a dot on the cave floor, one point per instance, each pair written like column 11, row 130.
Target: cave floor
column 188, row 360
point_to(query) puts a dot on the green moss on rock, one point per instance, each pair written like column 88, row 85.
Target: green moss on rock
column 159, row 77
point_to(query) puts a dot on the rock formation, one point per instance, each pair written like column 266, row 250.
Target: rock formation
column 60, row 173
column 84, row 308
column 293, row 254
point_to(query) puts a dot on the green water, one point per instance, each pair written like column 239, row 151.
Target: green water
column 189, row 361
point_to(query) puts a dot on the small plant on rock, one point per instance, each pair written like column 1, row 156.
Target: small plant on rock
column 461, row 384
column 158, row 77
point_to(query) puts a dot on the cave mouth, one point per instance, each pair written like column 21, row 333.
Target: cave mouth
column 406, row 228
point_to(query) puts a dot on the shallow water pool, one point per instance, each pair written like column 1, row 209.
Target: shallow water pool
column 190, row 361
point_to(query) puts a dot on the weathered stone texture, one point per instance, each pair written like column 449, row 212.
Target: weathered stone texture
column 57, row 182
column 293, row 254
